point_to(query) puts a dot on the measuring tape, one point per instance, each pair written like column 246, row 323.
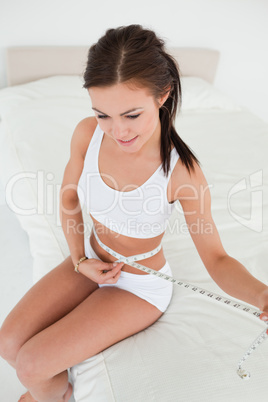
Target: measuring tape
column 213, row 296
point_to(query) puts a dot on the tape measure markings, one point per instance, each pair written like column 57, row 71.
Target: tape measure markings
column 232, row 303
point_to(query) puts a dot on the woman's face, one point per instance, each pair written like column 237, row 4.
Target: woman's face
column 129, row 116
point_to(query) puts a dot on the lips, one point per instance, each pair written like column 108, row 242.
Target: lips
column 128, row 142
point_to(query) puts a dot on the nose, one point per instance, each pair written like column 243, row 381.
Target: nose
column 119, row 130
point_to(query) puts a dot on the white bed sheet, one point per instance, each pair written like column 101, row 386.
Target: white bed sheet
column 191, row 353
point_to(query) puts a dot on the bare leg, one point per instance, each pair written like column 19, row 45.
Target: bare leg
column 105, row 317
column 49, row 300
column 54, row 296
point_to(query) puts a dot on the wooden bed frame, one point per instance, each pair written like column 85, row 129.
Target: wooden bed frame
column 25, row 64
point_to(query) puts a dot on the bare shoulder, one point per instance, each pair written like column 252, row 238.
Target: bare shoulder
column 187, row 184
column 82, row 136
column 79, row 144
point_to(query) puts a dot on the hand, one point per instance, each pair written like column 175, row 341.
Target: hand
column 264, row 317
column 101, row 272
column 264, row 303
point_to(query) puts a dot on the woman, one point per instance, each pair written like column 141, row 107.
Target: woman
column 129, row 166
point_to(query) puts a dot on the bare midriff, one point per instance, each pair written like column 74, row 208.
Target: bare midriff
column 126, row 246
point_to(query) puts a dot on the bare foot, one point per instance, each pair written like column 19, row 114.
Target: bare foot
column 27, row 397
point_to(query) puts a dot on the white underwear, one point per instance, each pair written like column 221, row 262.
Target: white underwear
column 150, row 288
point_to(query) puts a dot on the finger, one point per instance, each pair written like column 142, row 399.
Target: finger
column 113, row 267
column 264, row 316
column 111, row 273
column 114, row 279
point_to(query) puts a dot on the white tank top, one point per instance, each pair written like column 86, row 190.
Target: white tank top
column 141, row 213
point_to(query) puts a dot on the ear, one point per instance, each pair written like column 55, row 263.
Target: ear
column 163, row 99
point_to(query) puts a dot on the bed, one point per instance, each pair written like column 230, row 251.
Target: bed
column 191, row 353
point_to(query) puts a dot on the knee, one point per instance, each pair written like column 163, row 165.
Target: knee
column 9, row 345
column 26, row 368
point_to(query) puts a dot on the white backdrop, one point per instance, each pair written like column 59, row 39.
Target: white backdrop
column 238, row 28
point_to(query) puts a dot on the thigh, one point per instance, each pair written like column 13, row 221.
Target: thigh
column 107, row 316
column 50, row 299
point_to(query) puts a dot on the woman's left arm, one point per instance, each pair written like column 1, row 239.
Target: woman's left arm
column 193, row 193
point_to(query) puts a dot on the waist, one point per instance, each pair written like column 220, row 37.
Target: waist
column 153, row 258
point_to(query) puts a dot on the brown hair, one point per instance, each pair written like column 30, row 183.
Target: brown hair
column 132, row 54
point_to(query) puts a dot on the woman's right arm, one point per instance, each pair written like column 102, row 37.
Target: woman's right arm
column 70, row 209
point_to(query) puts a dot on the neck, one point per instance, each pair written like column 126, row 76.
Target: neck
column 152, row 147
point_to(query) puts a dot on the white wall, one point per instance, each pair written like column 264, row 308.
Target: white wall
column 238, row 28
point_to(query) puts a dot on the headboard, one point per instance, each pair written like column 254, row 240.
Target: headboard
column 25, row 64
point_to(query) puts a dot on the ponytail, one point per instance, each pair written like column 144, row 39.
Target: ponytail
column 167, row 114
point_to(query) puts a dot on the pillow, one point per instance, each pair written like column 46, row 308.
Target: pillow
column 37, row 122
column 197, row 94
column 48, row 88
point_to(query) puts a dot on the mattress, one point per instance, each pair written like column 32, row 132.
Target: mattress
column 191, row 353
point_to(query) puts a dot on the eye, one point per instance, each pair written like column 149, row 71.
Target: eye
column 101, row 116
column 133, row 116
